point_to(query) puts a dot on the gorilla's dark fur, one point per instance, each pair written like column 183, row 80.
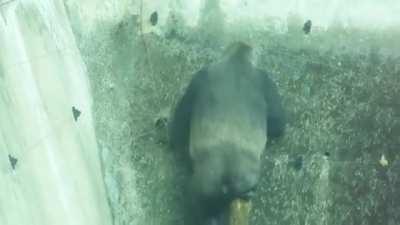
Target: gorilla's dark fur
column 223, row 121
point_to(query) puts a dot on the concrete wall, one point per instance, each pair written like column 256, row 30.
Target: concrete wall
column 50, row 171
column 328, row 80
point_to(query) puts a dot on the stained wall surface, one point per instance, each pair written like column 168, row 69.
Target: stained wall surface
column 50, row 169
column 339, row 161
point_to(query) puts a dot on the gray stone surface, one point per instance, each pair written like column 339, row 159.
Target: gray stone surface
column 340, row 86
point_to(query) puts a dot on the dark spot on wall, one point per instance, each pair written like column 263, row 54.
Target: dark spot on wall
column 76, row 113
column 13, row 161
column 154, row 18
column 307, row 27
column 298, row 163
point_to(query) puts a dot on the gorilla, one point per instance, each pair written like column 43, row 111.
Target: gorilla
column 222, row 123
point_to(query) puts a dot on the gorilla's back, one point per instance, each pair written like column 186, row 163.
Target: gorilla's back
column 231, row 109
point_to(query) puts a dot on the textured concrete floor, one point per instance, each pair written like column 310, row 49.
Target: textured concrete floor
column 341, row 89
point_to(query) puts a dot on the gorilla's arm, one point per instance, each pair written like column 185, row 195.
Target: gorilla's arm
column 276, row 118
column 179, row 127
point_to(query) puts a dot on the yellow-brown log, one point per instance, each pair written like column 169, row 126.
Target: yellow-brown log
column 239, row 212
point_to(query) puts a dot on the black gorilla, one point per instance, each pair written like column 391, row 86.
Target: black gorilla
column 223, row 121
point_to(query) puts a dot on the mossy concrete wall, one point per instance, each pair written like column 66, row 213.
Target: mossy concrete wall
column 339, row 161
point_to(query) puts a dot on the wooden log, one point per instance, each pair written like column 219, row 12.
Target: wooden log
column 239, row 211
